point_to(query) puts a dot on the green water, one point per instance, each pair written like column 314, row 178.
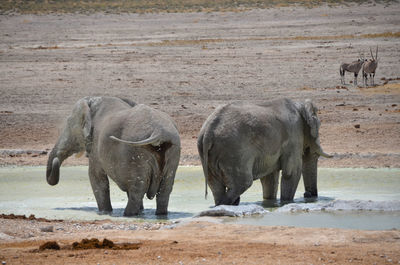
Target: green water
column 25, row 191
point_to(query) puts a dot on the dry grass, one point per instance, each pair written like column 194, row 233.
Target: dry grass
column 329, row 37
column 203, row 42
column 155, row 6
column 392, row 89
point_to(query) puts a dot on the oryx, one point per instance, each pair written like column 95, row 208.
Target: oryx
column 353, row 67
column 369, row 67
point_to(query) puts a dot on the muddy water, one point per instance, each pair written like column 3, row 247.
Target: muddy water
column 25, row 191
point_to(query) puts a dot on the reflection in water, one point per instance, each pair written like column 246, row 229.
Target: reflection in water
column 25, row 191
column 148, row 214
column 273, row 204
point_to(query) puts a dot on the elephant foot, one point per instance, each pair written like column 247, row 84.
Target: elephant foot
column 237, row 201
column 129, row 213
column 105, row 212
column 227, row 201
column 309, row 194
column 161, row 212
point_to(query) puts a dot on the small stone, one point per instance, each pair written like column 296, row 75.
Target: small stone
column 357, row 126
column 48, row 228
column 107, row 226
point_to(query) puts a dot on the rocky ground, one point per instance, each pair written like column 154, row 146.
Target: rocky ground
column 187, row 64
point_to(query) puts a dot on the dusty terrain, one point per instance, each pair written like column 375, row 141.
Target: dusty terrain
column 197, row 242
column 186, row 64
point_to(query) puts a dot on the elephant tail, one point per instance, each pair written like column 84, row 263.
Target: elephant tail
column 203, row 147
column 154, row 140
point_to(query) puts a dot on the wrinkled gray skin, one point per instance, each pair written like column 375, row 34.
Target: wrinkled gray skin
column 136, row 146
column 242, row 142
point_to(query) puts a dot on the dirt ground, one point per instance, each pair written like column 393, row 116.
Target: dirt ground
column 187, row 64
column 196, row 242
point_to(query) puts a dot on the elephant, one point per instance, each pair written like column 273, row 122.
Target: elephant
column 138, row 147
column 241, row 142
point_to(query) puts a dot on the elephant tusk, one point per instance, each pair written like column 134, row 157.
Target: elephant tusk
column 322, row 153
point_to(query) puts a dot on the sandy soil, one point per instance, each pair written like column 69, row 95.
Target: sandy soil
column 196, row 242
column 186, row 65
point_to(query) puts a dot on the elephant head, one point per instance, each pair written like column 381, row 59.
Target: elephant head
column 312, row 148
column 74, row 138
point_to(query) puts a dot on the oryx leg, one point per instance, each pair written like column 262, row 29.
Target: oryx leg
column 342, row 76
column 365, row 78
column 355, row 78
column 372, row 76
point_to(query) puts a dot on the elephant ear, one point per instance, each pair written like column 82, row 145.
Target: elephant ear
column 83, row 109
column 309, row 114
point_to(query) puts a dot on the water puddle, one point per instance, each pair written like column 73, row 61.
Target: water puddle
column 24, row 190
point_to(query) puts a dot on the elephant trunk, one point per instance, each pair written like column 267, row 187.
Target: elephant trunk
column 53, row 166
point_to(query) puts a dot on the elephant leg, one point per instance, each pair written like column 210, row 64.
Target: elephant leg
column 101, row 188
column 162, row 197
column 270, row 185
column 289, row 185
column 135, row 198
column 218, row 189
column 239, row 181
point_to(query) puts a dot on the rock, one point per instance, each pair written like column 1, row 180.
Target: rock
column 342, row 205
column 233, row 211
column 5, row 236
column 107, row 226
column 48, row 228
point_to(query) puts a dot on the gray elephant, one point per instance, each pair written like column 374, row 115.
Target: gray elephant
column 136, row 146
column 242, row 142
